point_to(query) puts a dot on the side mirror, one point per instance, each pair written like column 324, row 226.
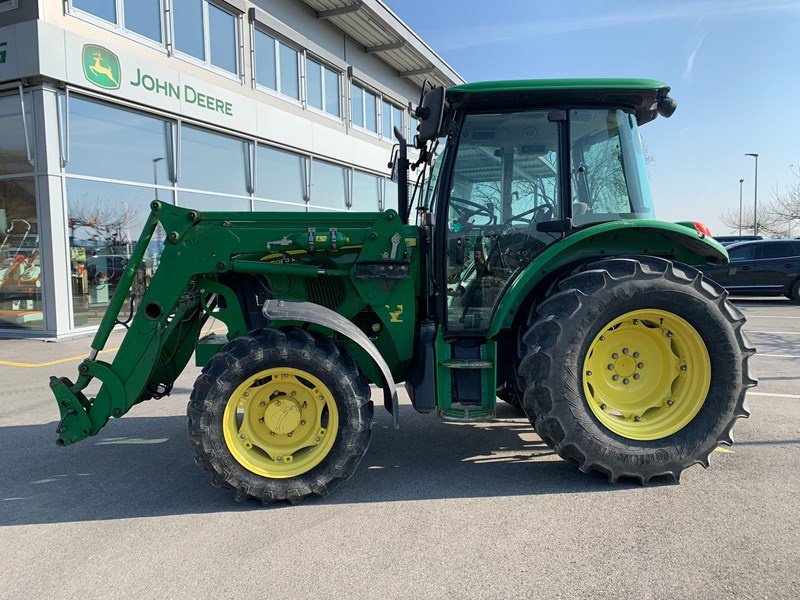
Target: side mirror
column 430, row 113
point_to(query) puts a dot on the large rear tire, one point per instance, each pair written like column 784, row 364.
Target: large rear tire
column 283, row 415
column 636, row 368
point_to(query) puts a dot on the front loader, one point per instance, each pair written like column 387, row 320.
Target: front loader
column 533, row 270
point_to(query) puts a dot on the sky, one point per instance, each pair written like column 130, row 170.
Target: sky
column 733, row 65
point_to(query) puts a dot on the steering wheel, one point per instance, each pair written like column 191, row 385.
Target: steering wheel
column 537, row 214
column 469, row 209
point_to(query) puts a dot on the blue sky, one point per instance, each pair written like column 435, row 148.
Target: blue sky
column 734, row 68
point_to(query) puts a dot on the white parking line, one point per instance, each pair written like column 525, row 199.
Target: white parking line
column 749, row 331
column 773, row 395
column 749, row 316
column 778, row 355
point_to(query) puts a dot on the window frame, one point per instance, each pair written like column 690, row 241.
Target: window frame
column 308, row 56
column 277, row 40
column 205, row 62
column 120, row 28
column 385, row 100
column 366, row 89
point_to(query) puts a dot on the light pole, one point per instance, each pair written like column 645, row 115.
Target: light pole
column 741, row 182
column 755, row 194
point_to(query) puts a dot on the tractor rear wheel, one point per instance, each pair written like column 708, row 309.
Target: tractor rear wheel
column 636, row 368
column 282, row 415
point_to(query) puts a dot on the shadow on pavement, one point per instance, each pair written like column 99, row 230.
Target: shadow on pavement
column 143, row 466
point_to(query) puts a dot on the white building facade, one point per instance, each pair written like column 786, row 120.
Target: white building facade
column 105, row 105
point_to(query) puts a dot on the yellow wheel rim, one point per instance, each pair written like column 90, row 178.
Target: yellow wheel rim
column 280, row 423
column 646, row 374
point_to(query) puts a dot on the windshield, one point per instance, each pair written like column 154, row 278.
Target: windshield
column 609, row 175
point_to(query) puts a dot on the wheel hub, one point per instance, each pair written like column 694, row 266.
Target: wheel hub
column 646, row 374
column 282, row 415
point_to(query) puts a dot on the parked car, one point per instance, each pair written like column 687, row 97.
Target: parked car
column 727, row 240
column 761, row 268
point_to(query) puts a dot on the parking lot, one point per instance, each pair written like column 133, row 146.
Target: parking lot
column 435, row 510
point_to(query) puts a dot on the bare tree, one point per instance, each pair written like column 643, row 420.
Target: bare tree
column 778, row 217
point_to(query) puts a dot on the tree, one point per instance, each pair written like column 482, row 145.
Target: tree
column 778, row 217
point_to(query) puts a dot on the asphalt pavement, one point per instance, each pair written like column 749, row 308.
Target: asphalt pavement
column 435, row 510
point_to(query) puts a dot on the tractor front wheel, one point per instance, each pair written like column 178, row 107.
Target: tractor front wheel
column 636, row 368
column 283, row 415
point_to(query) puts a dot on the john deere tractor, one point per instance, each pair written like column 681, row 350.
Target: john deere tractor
column 527, row 266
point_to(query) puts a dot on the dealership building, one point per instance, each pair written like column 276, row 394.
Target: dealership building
column 105, row 105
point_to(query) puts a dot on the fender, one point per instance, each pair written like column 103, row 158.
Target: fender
column 308, row 312
column 615, row 238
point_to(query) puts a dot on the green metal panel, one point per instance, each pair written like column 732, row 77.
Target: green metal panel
column 555, row 85
column 615, row 238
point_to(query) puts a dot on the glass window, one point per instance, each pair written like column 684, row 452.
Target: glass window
column 105, row 9
column 314, row 83
column 222, row 35
column 114, row 143
column 213, row 162
column 188, row 23
column 290, row 76
column 205, row 202
column 266, row 73
column 776, row 250
column 413, row 123
column 267, row 206
column 20, row 262
column 609, row 176
column 370, row 112
column 13, row 153
column 746, row 252
column 103, row 224
column 281, row 175
column 366, row 192
column 389, row 195
column 505, row 181
column 144, row 18
column 357, row 105
column 397, row 120
column 386, row 120
column 332, row 92
column 329, row 185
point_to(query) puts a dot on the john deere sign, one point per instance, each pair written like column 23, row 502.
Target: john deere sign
column 101, row 67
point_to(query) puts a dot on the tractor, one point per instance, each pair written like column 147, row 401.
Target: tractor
column 526, row 265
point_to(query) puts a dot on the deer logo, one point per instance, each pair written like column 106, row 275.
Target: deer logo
column 395, row 315
column 101, row 67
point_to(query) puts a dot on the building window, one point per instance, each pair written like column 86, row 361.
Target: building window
column 132, row 146
column 391, row 117
column 20, row 263
column 329, row 185
column 367, row 192
column 322, row 87
column 143, row 17
column 213, row 162
column 206, row 32
column 363, row 108
column 413, row 124
column 277, row 65
column 281, row 176
column 15, row 144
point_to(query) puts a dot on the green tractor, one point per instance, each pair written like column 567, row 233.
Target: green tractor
column 534, row 271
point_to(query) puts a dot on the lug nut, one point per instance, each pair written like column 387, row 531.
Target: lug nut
column 636, row 376
column 636, row 418
column 290, row 434
column 261, row 420
column 615, row 356
column 635, row 355
column 670, row 402
column 263, row 404
column 294, row 393
column 305, row 404
column 610, row 367
column 588, row 373
column 640, row 365
column 636, row 321
column 279, row 458
column 669, row 334
column 626, row 381
column 602, row 338
column 243, row 436
column 683, row 367
column 317, row 439
column 603, row 406
column 615, row 377
column 624, row 350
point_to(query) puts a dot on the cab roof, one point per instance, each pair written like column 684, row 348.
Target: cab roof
column 639, row 95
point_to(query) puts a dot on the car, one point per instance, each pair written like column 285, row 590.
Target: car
column 760, row 268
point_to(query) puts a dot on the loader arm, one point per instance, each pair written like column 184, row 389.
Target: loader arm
column 370, row 255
